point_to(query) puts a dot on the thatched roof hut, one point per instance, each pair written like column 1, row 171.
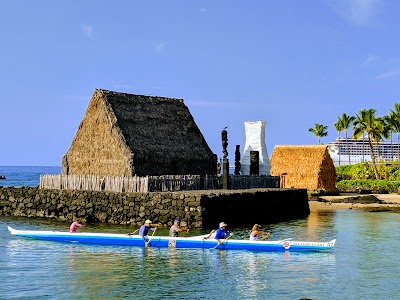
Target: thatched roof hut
column 309, row 167
column 123, row 135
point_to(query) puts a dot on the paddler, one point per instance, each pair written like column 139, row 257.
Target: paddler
column 255, row 233
column 175, row 229
column 143, row 231
column 222, row 234
column 75, row 225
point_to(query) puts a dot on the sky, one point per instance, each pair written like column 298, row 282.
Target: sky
column 289, row 63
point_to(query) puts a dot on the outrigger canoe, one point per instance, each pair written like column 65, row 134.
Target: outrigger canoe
column 177, row 242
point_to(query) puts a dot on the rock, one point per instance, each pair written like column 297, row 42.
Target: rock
column 365, row 191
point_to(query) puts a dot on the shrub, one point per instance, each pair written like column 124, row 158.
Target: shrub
column 360, row 171
column 372, row 184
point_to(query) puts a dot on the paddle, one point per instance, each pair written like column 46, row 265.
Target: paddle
column 222, row 242
column 266, row 236
column 148, row 242
column 133, row 232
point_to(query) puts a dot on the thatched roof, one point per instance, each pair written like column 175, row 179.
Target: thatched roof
column 309, row 167
column 125, row 134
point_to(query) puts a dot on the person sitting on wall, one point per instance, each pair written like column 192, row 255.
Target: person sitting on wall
column 143, row 231
column 75, row 225
column 255, row 233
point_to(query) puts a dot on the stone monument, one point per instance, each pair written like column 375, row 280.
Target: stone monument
column 225, row 160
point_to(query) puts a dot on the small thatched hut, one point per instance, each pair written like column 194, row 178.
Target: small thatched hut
column 309, row 167
column 123, row 135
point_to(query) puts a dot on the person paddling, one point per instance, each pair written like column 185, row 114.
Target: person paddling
column 222, row 234
column 75, row 225
column 255, row 233
column 175, row 229
column 143, row 231
column 174, row 232
column 211, row 234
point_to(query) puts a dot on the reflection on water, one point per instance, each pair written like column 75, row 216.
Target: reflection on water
column 363, row 265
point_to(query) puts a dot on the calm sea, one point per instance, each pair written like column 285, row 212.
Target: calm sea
column 363, row 265
column 25, row 176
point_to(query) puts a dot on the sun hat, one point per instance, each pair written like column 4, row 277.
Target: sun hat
column 147, row 222
column 222, row 224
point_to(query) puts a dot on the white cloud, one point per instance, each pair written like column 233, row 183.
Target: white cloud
column 388, row 68
column 359, row 12
column 88, row 31
column 388, row 74
column 370, row 59
column 159, row 47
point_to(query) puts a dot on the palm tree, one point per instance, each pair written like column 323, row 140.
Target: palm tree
column 346, row 121
column 373, row 126
column 339, row 128
column 384, row 132
column 389, row 121
column 359, row 124
column 319, row 131
column 396, row 125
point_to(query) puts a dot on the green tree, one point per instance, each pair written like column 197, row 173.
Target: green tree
column 339, row 128
column 359, row 124
column 319, row 131
column 373, row 127
column 388, row 130
column 396, row 125
column 346, row 122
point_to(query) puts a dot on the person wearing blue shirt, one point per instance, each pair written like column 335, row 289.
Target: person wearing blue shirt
column 222, row 233
column 144, row 230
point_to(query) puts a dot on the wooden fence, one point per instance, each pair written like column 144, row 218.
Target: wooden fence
column 164, row 183
column 94, row 183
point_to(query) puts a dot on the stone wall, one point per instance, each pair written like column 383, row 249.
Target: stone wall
column 199, row 209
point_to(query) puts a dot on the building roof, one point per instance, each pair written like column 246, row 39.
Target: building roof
column 307, row 166
column 157, row 135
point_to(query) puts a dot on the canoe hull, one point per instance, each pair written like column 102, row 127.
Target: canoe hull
column 163, row 241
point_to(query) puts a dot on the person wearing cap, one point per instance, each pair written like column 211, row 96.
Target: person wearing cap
column 222, row 233
column 144, row 230
column 175, row 229
column 255, row 233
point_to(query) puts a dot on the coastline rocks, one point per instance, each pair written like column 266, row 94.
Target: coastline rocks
column 363, row 190
column 368, row 199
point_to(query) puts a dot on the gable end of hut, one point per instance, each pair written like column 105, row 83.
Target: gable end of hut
column 309, row 167
column 143, row 135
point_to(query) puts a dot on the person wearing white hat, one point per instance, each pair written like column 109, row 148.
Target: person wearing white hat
column 222, row 233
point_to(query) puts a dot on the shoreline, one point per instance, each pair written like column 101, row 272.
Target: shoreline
column 367, row 202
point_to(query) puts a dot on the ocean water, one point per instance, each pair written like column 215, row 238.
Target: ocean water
column 363, row 265
column 25, row 176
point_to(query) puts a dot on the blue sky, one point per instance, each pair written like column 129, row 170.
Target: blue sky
column 290, row 63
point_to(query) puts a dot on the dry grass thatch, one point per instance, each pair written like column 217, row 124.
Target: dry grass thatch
column 309, row 167
column 124, row 135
